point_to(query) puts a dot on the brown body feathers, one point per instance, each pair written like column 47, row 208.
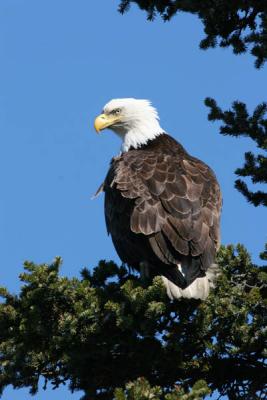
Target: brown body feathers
column 162, row 207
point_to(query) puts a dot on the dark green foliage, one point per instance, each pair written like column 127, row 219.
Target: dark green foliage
column 241, row 24
column 142, row 390
column 237, row 122
column 106, row 330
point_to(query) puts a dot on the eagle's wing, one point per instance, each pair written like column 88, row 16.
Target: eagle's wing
column 177, row 203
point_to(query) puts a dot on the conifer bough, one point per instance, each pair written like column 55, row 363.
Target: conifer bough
column 240, row 24
column 112, row 337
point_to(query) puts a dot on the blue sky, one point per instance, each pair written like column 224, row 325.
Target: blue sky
column 61, row 61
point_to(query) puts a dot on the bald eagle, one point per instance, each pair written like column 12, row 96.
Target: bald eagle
column 162, row 206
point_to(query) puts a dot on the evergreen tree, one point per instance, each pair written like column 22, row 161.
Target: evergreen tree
column 114, row 337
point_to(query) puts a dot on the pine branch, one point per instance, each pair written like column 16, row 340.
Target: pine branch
column 239, row 24
column 107, row 330
column 238, row 123
column 142, row 390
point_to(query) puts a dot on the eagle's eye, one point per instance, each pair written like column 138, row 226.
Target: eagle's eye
column 116, row 111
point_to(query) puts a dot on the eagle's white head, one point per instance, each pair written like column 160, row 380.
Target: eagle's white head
column 135, row 121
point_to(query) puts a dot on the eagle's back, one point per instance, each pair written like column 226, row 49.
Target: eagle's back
column 162, row 206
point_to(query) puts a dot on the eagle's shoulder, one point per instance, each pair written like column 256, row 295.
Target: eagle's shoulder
column 161, row 166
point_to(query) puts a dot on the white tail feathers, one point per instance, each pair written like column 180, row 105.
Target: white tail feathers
column 199, row 289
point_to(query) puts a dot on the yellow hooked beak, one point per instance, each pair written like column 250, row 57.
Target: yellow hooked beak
column 104, row 121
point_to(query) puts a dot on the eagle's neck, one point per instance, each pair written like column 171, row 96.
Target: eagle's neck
column 140, row 134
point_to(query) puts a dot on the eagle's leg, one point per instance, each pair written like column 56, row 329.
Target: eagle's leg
column 144, row 270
